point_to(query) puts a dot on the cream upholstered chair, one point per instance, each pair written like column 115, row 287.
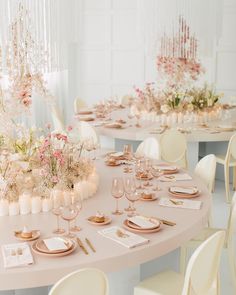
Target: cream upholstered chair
column 174, row 147
column 86, row 131
column 79, row 104
column 57, row 118
column 201, row 278
column 84, row 281
column 229, row 160
column 149, row 148
column 228, row 243
column 206, row 170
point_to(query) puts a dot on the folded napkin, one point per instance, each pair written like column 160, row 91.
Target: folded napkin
column 184, row 190
column 164, row 167
column 55, row 243
column 143, row 222
column 18, row 254
column 180, row 203
column 123, row 237
column 175, row 177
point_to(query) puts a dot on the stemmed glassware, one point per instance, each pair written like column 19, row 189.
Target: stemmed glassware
column 69, row 213
column 77, row 202
column 57, row 210
column 117, row 191
column 135, row 196
column 130, row 188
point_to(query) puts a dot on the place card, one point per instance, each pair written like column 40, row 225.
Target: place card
column 54, row 244
column 123, row 237
column 175, row 177
column 143, row 222
column 18, row 254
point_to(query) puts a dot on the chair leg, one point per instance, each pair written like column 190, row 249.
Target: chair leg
column 232, row 266
column 182, row 259
column 234, row 178
column 226, row 170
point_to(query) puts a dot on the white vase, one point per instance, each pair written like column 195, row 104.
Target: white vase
column 14, row 208
column 25, row 203
column 46, row 205
column 4, row 207
column 36, row 205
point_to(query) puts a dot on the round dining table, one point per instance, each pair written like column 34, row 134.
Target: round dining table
column 109, row 256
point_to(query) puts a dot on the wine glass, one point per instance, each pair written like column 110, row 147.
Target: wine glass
column 135, row 196
column 57, row 211
column 76, row 201
column 117, row 191
column 128, row 151
column 130, row 188
column 69, row 213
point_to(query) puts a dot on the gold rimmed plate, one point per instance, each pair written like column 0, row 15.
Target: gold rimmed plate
column 52, row 254
column 35, row 235
column 184, row 195
column 126, row 225
column 41, row 247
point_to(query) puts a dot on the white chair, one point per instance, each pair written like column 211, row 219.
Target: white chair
column 57, row 118
column 201, row 276
column 86, row 131
column 149, row 148
column 174, row 147
column 228, row 243
column 89, row 281
column 206, row 170
column 229, row 160
column 79, row 104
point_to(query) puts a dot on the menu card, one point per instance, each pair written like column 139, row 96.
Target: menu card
column 123, row 237
column 175, row 177
column 18, row 254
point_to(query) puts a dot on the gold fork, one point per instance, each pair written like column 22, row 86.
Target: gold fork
column 121, row 234
column 176, row 202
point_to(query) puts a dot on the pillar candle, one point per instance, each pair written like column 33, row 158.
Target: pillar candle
column 4, row 207
column 14, row 208
column 25, row 203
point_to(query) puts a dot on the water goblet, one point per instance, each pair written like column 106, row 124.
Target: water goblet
column 130, row 187
column 57, row 211
column 117, row 191
column 76, row 201
column 135, row 196
column 69, row 213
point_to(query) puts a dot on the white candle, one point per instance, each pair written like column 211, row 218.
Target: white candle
column 14, row 208
column 25, row 203
column 36, row 204
column 4, row 207
column 46, row 205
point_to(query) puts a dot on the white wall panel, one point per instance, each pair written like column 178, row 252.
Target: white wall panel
column 124, row 4
column 125, row 29
column 92, row 92
column 96, row 29
column 96, row 4
column 128, row 67
column 94, row 66
column 226, row 67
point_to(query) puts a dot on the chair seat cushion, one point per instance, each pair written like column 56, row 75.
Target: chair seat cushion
column 164, row 283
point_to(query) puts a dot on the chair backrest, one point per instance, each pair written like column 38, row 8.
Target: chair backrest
column 174, row 147
column 79, row 104
column 231, row 221
column 149, row 148
column 83, row 281
column 86, row 131
column 206, row 170
column 231, row 151
column 57, row 118
column 202, row 270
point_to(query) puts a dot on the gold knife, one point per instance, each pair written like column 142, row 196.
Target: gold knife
column 90, row 245
column 82, row 246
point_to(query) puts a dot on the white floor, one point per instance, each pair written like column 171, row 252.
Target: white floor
column 220, row 216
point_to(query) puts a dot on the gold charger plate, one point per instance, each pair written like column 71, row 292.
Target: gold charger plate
column 114, row 125
column 140, row 230
column 35, row 235
column 41, row 247
column 74, row 246
column 93, row 222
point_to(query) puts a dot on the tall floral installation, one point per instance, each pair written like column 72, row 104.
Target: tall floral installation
column 35, row 164
column 177, row 98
